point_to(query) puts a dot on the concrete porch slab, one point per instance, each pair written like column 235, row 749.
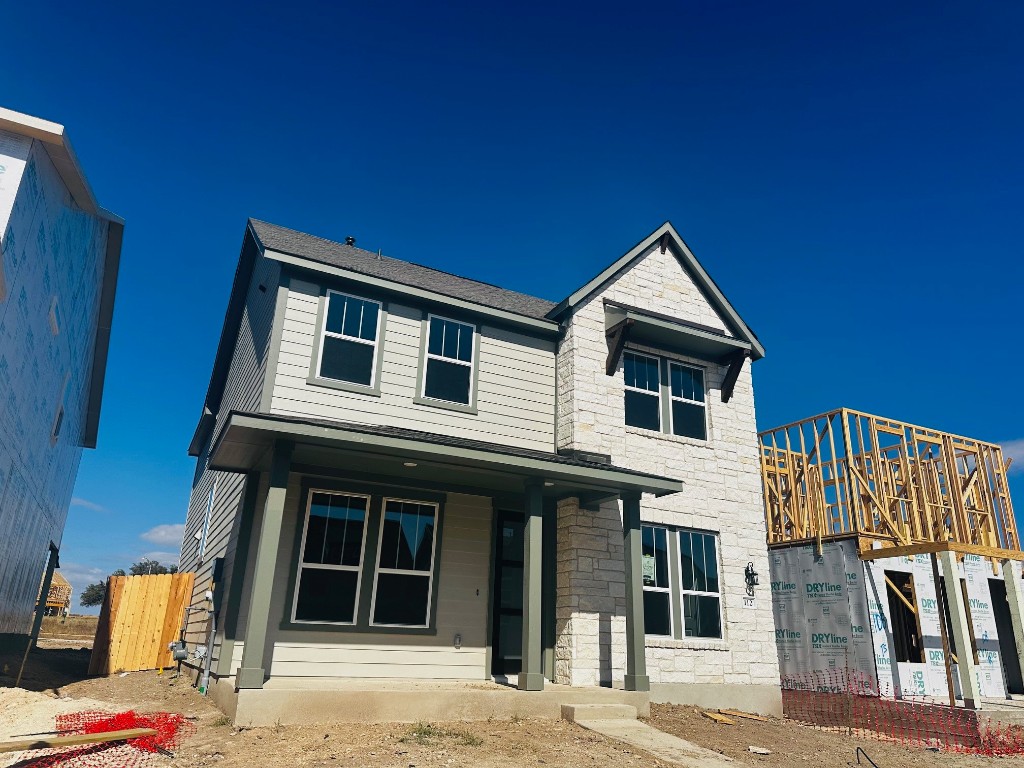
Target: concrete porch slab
column 308, row 701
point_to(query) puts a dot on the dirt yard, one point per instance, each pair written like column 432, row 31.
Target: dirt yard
column 55, row 683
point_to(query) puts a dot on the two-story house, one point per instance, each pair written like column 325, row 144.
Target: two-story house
column 408, row 475
column 59, row 257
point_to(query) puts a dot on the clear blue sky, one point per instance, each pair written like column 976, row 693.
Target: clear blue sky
column 851, row 174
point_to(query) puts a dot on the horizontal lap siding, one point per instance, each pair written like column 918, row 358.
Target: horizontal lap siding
column 515, row 373
column 243, row 390
column 462, row 597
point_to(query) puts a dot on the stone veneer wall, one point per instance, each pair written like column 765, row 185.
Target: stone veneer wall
column 722, row 493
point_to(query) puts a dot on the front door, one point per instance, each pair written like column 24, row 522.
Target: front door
column 507, row 632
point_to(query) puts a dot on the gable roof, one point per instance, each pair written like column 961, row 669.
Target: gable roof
column 348, row 257
column 668, row 235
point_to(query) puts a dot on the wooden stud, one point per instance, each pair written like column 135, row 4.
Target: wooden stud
column 55, row 742
column 718, row 718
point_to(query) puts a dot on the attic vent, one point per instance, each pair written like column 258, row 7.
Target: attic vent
column 350, row 240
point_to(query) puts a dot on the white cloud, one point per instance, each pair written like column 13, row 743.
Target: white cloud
column 86, row 504
column 165, row 535
column 1014, row 449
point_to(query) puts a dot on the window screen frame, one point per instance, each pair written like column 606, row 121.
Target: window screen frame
column 211, row 500
column 425, row 355
column 429, row 573
column 715, row 538
column 316, row 358
column 299, row 565
column 658, row 395
column 671, row 554
column 671, row 398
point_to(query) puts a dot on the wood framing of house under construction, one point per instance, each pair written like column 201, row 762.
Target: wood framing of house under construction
column 910, row 489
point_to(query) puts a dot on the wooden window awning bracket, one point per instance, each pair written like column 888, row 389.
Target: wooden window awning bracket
column 735, row 366
column 616, row 336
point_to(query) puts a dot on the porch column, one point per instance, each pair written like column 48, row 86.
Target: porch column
column 636, row 660
column 1015, row 597
column 961, row 630
column 531, row 678
column 252, row 673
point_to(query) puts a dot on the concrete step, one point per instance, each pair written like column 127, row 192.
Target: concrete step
column 576, row 712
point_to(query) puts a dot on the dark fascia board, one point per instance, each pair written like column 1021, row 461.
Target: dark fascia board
column 228, row 336
column 666, row 332
column 502, row 316
column 613, row 478
column 101, row 348
column 703, row 279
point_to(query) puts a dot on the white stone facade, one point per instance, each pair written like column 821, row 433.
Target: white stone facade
column 722, row 494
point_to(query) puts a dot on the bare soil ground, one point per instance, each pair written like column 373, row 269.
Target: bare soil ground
column 81, row 628
column 55, row 681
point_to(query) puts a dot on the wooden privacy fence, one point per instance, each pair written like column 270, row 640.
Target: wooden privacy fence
column 141, row 615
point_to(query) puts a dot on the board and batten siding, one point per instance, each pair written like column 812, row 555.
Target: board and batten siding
column 462, row 598
column 243, row 390
column 515, row 389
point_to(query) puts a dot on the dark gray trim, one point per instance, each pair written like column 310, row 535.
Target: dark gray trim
column 421, row 370
column 636, row 678
column 675, row 582
column 531, row 677
column 489, row 630
column 549, row 580
column 274, row 344
column 377, row 493
column 242, row 536
column 499, row 316
column 314, row 379
column 101, row 348
column 672, row 335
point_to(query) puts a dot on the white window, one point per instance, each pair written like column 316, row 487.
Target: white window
column 449, row 361
column 643, row 390
column 695, row 595
column 206, row 520
column 405, row 564
column 657, row 584
column 330, row 563
column 349, row 339
column 701, row 596
column 689, row 414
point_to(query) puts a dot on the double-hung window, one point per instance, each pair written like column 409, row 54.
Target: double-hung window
column 702, row 601
column 330, row 559
column 405, row 564
column 643, row 390
column 449, row 361
column 687, row 397
column 349, row 339
column 657, row 585
column 688, row 604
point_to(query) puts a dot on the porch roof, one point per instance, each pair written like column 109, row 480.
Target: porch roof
column 246, row 441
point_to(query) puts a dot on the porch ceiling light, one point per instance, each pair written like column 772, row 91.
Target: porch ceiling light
column 410, row 464
column 548, row 483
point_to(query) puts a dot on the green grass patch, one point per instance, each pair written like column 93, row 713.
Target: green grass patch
column 427, row 733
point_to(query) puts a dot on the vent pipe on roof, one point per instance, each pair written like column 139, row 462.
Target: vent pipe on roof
column 379, row 256
column 350, row 240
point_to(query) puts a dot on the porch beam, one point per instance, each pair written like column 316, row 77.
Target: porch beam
column 531, row 677
column 636, row 660
column 252, row 673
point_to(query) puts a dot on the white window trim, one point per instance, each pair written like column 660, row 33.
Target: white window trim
column 669, row 532
column 429, row 356
column 655, row 393
column 325, row 567
column 210, row 501
column 683, row 592
column 703, row 403
column 377, row 570
column 324, row 332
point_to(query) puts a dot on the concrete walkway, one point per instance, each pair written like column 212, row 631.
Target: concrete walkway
column 660, row 744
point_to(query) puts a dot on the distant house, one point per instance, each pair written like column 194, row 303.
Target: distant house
column 407, row 475
column 59, row 254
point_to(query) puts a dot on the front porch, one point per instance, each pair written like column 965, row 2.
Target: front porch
column 413, row 620
column 309, row 701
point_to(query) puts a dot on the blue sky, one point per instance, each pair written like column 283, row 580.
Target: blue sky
column 851, row 175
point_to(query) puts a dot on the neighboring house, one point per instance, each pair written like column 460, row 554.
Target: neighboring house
column 407, row 474
column 59, row 256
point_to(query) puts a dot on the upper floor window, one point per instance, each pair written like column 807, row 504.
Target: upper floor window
column 643, row 398
column 449, row 361
column 689, row 417
column 349, row 339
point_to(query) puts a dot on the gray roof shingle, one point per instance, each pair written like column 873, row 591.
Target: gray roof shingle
column 349, row 257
